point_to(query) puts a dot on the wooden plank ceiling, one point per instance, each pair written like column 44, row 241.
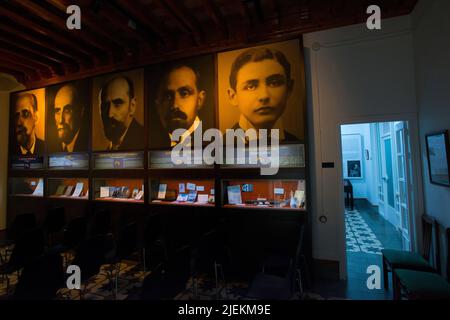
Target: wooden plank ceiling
column 38, row 49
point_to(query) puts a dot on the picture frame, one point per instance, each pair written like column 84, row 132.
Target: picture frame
column 438, row 156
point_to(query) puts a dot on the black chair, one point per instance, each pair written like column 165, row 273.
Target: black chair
column 169, row 278
column 21, row 224
column 40, row 279
column 270, row 286
column 210, row 256
column 92, row 253
column 152, row 232
column 125, row 248
column 29, row 246
column 54, row 223
column 100, row 224
column 74, row 234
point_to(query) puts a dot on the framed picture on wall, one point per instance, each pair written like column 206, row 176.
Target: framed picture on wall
column 354, row 169
column 352, row 156
column 438, row 151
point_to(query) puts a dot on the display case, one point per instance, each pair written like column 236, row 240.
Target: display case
column 289, row 156
column 68, row 188
column 287, row 194
column 119, row 160
column 72, row 161
column 121, row 190
column 27, row 162
column 162, row 159
column 30, row 187
column 185, row 192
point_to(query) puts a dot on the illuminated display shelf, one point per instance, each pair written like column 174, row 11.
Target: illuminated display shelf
column 118, row 190
column 27, row 187
column 264, row 194
column 182, row 192
column 68, row 188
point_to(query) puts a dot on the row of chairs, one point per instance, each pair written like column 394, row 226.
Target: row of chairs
column 413, row 276
column 212, row 256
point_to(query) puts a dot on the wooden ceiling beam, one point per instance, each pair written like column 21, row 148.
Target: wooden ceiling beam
column 181, row 15
column 88, row 20
column 81, row 36
column 34, row 38
column 143, row 16
column 8, row 49
column 215, row 15
column 42, row 71
column 20, row 76
column 29, row 47
column 49, row 34
column 30, row 74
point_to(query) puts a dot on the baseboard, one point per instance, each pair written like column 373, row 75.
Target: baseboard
column 325, row 269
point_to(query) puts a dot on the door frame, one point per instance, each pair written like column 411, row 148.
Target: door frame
column 417, row 200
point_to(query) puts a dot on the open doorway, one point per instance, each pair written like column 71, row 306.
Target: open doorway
column 377, row 175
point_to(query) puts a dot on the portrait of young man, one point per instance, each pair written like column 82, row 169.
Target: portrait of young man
column 118, row 118
column 263, row 88
column 181, row 98
column 28, row 111
column 67, row 117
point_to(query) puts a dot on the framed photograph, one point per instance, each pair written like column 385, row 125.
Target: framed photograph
column 181, row 96
column 27, row 135
column 354, row 169
column 263, row 87
column 118, row 111
column 352, row 156
column 438, row 151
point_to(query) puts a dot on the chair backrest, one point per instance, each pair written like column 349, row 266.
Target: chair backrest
column 101, row 223
column 448, row 253
column 90, row 255
column 41, row 279
column 128, row 241
column 29, row 246
column 55, row 220
column 21, row 224
column 75, row 232
column 427, row 233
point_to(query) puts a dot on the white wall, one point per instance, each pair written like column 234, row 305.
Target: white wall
column 432, row 63
column 354, row 75
column 364, row 188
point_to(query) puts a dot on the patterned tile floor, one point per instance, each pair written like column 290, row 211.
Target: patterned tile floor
column 359, row 236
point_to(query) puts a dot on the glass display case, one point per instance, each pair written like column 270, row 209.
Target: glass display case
column 73, row 161
column 30, row 187
column 289, row 156
column 269, row 194
column 27, row 162
column 119, row 160
column 162, row 159
column 122, row 190
column 187, row 192
column 68, row 188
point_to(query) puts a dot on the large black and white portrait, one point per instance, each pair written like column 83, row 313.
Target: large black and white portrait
column 68, row 111
column 181, row 96
column 263, row 87
column 28, row 118
column 118, row 112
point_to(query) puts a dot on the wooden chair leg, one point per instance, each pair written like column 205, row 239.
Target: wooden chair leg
column 396, row 286
column 386, row 274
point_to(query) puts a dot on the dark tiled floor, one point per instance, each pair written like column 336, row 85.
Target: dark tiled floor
column 355, row 287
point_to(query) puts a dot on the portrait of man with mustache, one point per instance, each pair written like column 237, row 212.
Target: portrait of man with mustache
column 26, row 118
column 69, row 116
column 179, row 101
column 117, row 109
